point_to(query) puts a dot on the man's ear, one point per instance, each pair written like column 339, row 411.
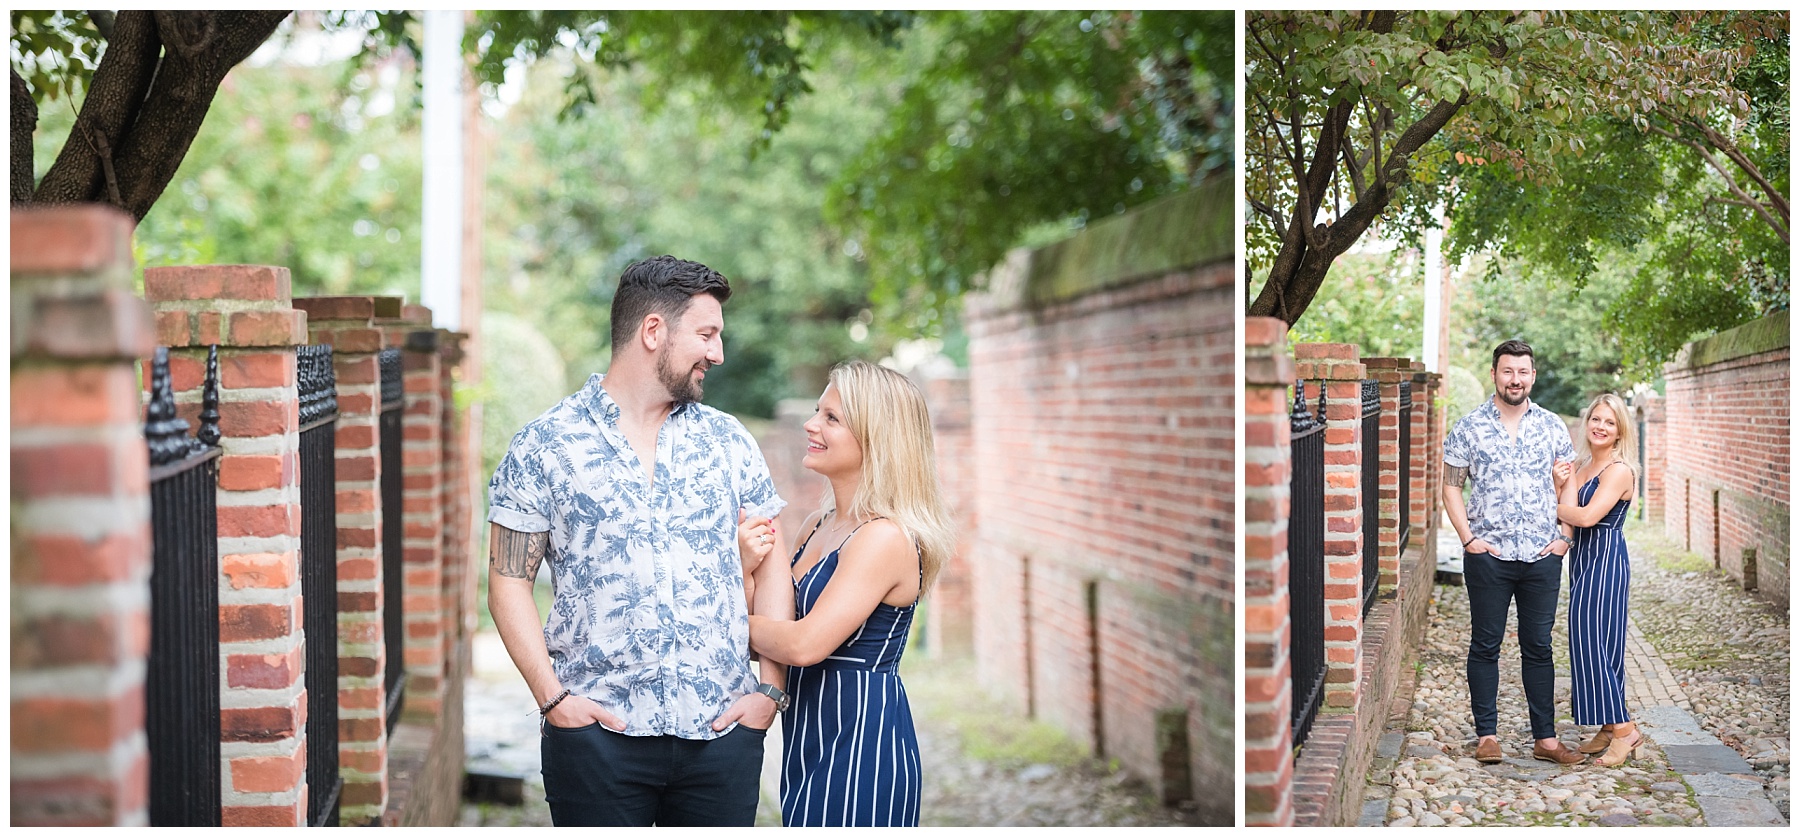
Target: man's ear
column 652, row 332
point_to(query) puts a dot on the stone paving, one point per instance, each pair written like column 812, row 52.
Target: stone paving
column 1021, row 774
column 1706, row 677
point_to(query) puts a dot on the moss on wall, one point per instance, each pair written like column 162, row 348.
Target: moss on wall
column 1752, row 338
column 1184, row 230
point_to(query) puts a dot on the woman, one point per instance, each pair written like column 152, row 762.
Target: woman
column 850, row 756
column 1594, row 501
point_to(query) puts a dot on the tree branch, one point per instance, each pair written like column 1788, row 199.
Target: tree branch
column 204, row 46
column 1743, row 161
column 103, row 21
column 110, row 109
column 1275, row 218
column 1731, row 183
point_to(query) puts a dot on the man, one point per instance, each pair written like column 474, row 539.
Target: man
column 1512, row 543
column 631, row 490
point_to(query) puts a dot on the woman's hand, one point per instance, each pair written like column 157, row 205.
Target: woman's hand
column 1560, row 474
column 756, row 540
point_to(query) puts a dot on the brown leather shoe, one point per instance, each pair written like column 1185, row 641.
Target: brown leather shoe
column 1487, row 751
column 1560, row 755
column 1598, row 743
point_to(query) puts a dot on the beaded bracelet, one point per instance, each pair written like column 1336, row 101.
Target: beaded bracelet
column 551, row 704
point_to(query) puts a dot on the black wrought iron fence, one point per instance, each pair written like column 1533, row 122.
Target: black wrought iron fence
column 318, row 578
column 393, row 535
column 181, row 723
column 1405, row 518
column 1371, row 492
column 1306, row 561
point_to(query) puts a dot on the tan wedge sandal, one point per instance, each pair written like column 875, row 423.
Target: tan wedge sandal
column 1621, row 750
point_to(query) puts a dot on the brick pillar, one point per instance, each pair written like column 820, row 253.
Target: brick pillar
column 80, row 522
column 247, row 311
column 1268, row 681
column 457, row 599
column 422, row 452
column 950, row 619
column 1425, row 465
column 347, row 324
column 1388, row 372
column 1652, row 408
column 1336, row 368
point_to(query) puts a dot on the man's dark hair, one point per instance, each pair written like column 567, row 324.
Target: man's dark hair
column 664, row 285
column 1514, row 348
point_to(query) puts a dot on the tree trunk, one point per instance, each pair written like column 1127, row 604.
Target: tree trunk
column 24, row 125
column 113, row 97
column 143, row 111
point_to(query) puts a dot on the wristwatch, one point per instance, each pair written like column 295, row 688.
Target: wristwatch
column 780, row 697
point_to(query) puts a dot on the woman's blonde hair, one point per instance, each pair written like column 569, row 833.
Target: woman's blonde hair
column 1625, row 445
column 886, row 413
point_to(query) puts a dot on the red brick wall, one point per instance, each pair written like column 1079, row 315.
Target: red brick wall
column 1102, row 446
column 80, row 511
column 1652, row 408
column 1727, row 447
column 949, row 610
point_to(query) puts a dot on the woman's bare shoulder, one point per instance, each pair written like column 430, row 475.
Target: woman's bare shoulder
column 880, row 540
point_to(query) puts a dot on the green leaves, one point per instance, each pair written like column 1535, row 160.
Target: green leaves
column 55, row 51
column 1015, row 122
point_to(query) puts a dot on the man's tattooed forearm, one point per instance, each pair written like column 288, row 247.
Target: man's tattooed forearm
column 518, row 554
column 1456, row 476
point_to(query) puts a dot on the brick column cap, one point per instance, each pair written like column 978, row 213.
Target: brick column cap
column 1325, row 351
column 451, row 345
column 1325, row 370
column 238, row 282
column 1329, row 362
column 70, row 238
column 362, row 309
column 1266, row 361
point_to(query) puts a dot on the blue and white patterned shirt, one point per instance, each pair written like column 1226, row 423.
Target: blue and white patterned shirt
column 1510, row 497
column 648, row 618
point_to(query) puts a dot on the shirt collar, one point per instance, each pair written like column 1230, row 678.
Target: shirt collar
column 605, row 411
column 1491, row 407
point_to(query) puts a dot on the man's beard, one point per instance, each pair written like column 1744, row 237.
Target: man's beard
column 682, row 387
column 1510, row 402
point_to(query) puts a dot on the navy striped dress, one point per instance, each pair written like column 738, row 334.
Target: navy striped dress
column 849, row 753
column 1599, row 577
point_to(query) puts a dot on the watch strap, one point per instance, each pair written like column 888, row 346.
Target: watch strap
column 780, row 697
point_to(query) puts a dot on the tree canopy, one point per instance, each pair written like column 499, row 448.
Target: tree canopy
column 1001, row 126
column 1511, row 118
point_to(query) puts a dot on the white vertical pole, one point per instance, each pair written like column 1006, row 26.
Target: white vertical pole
column 1434, row 286
column 442, row 129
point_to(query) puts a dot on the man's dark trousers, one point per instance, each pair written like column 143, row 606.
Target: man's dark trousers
column 594, row 776
column 1493, row 586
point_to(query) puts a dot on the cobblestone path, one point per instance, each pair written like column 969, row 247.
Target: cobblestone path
column 982, row 766
column 1706, row 677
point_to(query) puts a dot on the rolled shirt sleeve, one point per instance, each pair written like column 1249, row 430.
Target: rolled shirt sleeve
column 519, row 494
column 1458, row 445
column 756, row 489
